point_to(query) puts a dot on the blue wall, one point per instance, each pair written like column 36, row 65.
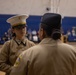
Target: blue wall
column 4, row 26
column 68, row 23
column 33, row 23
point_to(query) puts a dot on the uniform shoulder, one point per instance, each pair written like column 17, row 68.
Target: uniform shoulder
column 30, row 42
column 34, row 49
column 7, row 42
column 31, row 51
column 68, row 46
column 5, row 46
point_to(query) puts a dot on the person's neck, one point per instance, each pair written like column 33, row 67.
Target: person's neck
column 47, row 36
column 21, row 38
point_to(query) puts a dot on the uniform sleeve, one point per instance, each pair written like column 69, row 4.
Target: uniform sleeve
column 75, row 64
column 4, row 58
column 21, row 65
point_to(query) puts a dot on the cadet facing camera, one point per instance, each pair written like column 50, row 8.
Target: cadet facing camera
column 12, row 48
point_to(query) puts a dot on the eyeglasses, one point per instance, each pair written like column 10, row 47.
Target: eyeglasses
column 18, row 27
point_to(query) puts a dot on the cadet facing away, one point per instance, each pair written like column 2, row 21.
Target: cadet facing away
column 51, row 56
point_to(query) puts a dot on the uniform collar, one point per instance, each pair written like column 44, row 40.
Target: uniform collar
column 49, row 40
column 20, row 41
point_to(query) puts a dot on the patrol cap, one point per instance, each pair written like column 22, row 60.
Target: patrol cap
column 51, row 19
column 17, row 20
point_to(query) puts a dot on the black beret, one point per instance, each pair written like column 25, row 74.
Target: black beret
column 51, row 19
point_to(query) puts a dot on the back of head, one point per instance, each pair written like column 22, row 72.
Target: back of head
column 51, row 23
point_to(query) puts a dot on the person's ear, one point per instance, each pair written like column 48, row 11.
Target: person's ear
column 42, row 33
column 13, row 30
